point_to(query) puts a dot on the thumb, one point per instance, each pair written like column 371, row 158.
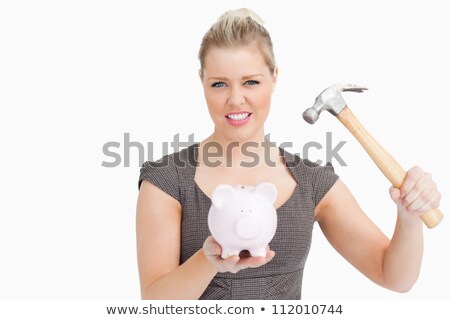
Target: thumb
column 395, row 195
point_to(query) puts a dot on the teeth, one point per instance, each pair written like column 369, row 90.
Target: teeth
column 238, row 116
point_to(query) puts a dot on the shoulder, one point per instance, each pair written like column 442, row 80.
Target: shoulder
column 175, row 160
column 303, row 165
column 315, row 177
column 165, row 173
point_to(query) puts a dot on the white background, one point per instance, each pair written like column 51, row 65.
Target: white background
column 75, row 75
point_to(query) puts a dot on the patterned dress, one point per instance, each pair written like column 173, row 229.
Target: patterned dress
column 281, row 278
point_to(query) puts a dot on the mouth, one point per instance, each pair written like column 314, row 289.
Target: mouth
column 238, row 118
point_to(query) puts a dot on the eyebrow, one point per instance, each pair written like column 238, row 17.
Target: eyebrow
column 243, row 78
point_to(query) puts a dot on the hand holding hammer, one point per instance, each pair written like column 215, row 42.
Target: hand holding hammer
column 331, row 100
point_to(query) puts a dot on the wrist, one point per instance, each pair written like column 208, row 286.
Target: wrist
column 206, row 263
column 408, row 218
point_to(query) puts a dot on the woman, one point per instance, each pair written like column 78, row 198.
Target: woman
column 177, row 257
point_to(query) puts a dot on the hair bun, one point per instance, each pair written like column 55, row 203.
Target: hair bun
column 244, row 13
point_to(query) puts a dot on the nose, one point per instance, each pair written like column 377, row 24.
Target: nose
column 236, row 98
column 247, row 228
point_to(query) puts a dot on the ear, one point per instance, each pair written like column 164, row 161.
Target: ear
column 200, row 74
column 268, row 191
column 275, row 78
column 221, row 194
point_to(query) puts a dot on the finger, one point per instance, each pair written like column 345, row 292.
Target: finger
column 254, row 262
column 424, row 198
column 270, row 256
column 395, row 195
column 211, row 247
column 432, row 194
column 250, row 262
column 226, row 265
column 416, row 204
column 429, row 205
column 424, row 190
column 269, row 253
column 231, row 264
column 412, row 176
column 421, row 185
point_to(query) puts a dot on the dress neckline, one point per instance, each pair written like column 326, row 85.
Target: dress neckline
column 194, row 154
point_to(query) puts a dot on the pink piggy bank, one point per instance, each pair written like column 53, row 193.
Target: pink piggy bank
column 243, row 218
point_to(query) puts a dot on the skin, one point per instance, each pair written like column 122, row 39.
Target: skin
column 392, row 263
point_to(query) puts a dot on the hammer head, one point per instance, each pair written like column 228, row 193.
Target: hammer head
column 330, row 99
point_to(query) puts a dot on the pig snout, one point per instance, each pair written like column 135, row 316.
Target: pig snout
column 247, row 228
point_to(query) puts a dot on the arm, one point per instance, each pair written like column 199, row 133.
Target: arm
column 158, row 225
column 158, row 228
column 393, row 264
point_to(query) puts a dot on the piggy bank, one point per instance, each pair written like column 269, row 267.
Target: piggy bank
column 243, row 218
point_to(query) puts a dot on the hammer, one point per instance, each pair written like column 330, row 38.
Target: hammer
column 331, row 100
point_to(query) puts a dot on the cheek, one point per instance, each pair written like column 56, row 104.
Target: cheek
column 214, row 101
column 263, row 99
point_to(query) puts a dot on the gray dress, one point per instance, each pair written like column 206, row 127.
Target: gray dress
column 281, row 278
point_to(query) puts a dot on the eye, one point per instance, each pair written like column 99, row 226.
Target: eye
column 218, row 84
column 252, row 82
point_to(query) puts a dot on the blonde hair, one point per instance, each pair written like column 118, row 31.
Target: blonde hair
column 236, row 28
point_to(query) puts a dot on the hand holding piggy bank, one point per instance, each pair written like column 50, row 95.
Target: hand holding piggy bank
column 243, row 218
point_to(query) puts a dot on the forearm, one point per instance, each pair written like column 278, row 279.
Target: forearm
column 403, row 256
column 188, row 281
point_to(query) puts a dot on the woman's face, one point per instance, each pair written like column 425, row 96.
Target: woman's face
column 238, row 87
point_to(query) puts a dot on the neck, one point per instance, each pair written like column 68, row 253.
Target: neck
column 235, row 152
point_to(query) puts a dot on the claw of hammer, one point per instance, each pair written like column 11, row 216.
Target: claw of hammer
column 354, row 88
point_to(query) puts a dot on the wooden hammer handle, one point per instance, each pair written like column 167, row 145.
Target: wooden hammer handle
column 387, row 164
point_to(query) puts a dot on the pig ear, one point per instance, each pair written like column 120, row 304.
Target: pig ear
column 267, row 190
column 221, row 194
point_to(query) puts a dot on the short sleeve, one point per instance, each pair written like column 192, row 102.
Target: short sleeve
column 163, row 174
column 323, row 178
